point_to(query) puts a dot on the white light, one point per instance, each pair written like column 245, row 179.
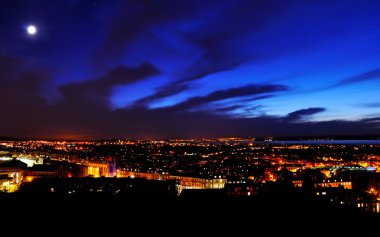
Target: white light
column 31, row 29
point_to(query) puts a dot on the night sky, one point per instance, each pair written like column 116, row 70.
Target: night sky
column 179, row 69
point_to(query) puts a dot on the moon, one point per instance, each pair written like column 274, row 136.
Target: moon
column 31, row 30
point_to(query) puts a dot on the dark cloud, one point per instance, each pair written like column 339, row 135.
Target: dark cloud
column 138, row 123
column 153, row 14
column 9, row 66
column 228, row 108
column 375, row 120
column 124, row 75
column 248, row 90
column 214, row 41
column 182, row 84
column 100, row 89
column 136, row 18
column 80, row 115
column 162, row 92
column 77, row 115
column 301, row 114
column 211, row 37
column 260, row 97
column 367, row 76
column 20, row 79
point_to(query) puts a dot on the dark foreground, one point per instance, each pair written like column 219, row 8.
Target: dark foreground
column 193, row 212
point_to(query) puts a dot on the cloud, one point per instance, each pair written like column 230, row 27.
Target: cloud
column 249, row 90
column 181, row 85
column 99, row 89
column 137, row 18
column 20, row 79
column 208, row 29
column 228, row 108
column 210, row 37
column 375, row 120
column 213, row 43
column 162, row 92
column 8, row 66
column 367, row 76
column 76, row 117
column 301, row 114
column 124, row 75
column 256, row 98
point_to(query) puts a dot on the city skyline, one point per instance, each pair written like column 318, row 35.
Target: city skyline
column 169, row 69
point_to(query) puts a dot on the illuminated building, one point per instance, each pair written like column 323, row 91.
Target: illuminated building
column 30, row 161
column 326, row 172
column 334, row 184
column 98, row 169
column 112, row 167
column 184, row 182
column 328, row 184
column 102, row 168
column 11, row 174
column 297, row 183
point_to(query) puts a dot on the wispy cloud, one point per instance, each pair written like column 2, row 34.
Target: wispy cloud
column 100, row 88
column 363, row 77
column 249, row 90
column 302, row 114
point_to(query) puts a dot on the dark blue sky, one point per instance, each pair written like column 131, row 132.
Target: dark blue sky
column 164, row 69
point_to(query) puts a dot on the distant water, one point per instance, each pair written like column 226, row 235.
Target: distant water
column 326, row 142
